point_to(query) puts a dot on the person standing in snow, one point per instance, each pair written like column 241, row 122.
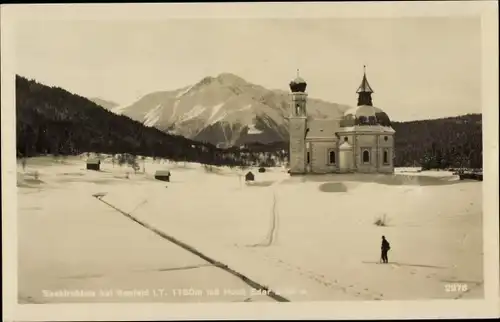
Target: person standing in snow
column 385, row 249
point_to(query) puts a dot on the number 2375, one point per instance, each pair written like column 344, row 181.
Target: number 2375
column 455, row 287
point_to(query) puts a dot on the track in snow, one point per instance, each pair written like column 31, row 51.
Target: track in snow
column 273, row 228
column 194, row 251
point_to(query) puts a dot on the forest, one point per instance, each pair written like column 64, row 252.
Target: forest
column 51, row 120
column 451, row 142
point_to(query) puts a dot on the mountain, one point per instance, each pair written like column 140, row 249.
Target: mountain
column 51, row 120
column 109, row 105
column 224, row 110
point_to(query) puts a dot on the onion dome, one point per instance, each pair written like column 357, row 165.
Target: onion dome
column 298, row 84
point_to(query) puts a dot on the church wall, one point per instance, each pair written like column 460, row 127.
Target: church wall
column 350, row 138
column 320, row 156
column 386, row 144
column 366, row 142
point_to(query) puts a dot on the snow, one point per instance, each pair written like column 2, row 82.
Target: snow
column 152, row 116
column 311, row 238
column 174, row 109
column 345, row 146
column 221, row 116
column 253, row 130
column 196, row 111
column 366, row 128
column 119, row 109
column 246, row 107
column 225, row 113
column 183, row 91
column 215, row 110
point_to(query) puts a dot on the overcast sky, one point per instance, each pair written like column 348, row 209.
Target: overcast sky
column 418, row 67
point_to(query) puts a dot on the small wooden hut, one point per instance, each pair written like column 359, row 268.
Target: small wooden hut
column 93, row 164
column 249, row 176
column 163, row 175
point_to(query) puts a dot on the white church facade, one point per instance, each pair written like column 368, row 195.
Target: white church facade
column 361, row 141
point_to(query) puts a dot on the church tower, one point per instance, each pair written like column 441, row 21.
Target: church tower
column 364, row 91
column 297, row 126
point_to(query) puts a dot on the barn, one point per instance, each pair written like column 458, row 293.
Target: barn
column 163, row 175
column 93, row 164
column 249, row 176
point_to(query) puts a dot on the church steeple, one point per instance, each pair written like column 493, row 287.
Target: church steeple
column 364, row 91
column 298, row 85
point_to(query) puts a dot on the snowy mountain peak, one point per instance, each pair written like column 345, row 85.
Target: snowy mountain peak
column 225, row 109
column 228, row 78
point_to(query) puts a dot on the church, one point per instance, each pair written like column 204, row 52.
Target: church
column 361, row 141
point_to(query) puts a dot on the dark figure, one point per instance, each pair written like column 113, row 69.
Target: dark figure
column 385, row 249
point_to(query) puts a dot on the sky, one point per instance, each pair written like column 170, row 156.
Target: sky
column 419, row 68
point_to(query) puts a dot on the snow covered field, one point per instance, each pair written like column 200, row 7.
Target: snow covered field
column 306, row 238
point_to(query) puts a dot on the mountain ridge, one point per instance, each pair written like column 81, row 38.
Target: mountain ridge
column 223, row 110
column 106, row 104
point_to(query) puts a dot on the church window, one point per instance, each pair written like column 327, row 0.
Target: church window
column 331, row 157
column 308, row 157
column 366, row 156
column 346, row 139
column 386, row 138
column 386, row 157
column 297, row 109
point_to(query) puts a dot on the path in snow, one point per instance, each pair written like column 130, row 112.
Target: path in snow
column 273, row 227
column 74, row 249
column 251, row 283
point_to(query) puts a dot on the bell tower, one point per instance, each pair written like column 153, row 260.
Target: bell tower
column 364, row 91
column 298, row 125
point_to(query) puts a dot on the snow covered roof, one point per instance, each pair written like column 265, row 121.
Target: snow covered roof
column 322, row 128
column 93, row 161
column 299, row 80
column 162, row 173
column 367, row 128
column 345, row 146
column 372, row 115
column 363, row 110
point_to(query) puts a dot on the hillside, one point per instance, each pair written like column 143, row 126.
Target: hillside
column 50, row 120
column 109, row 105
column 224, row 110
column 440, row 143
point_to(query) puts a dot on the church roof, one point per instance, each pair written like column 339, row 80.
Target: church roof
column 298, row 80
column 345, row 146
column 367, row 129
column 322, row 128
column 363, row 110
column 365, row 86
column 366, row 112
column 298, row 85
